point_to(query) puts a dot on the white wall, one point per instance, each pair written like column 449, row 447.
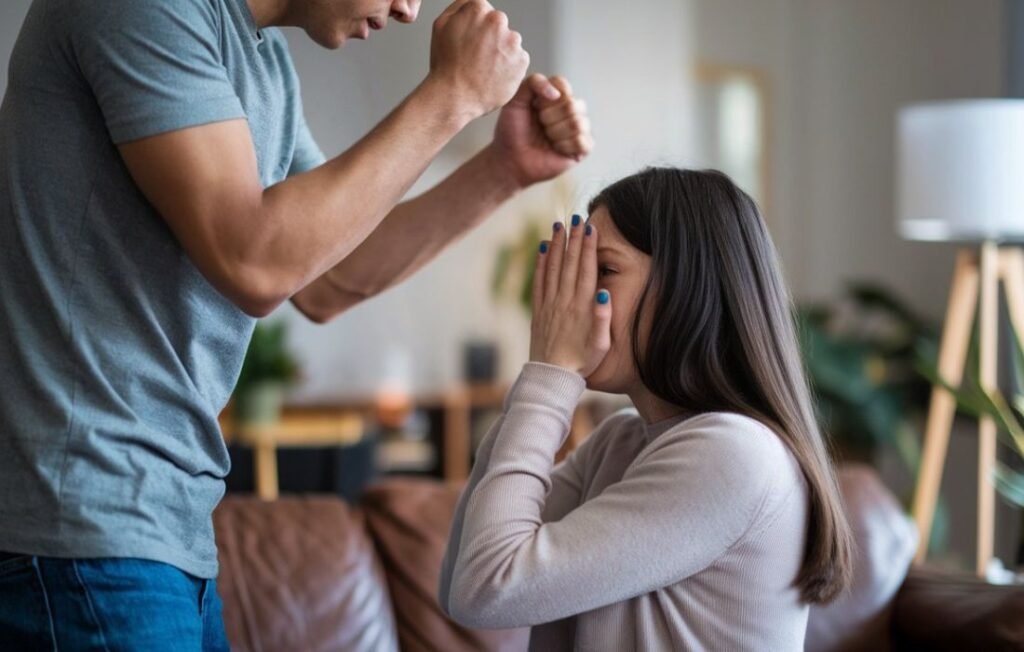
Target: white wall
column 839, row 70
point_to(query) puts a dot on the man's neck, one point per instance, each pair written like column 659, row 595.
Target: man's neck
column 268, row 13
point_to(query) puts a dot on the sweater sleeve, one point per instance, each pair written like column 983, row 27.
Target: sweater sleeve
column 682, row 503
column 573, row 388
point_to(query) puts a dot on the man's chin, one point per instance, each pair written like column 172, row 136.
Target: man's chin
column 330, row 41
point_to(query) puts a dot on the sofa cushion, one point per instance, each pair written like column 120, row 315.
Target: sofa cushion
column 409, row 521
column 300, row 574
column 884, row 540
column 938, row 611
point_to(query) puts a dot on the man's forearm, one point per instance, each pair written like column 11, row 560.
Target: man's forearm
column 310, row 222
column 412, row 235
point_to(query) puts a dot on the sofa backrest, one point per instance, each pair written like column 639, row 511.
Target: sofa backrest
column 300, row 573
column 409, row 522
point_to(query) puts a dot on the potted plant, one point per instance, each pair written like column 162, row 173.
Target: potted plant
column 267, row 371
column 861, row 355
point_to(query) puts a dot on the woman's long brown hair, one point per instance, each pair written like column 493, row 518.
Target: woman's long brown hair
column 723, row 335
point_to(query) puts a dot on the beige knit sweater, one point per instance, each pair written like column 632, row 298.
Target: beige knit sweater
column 681, row 535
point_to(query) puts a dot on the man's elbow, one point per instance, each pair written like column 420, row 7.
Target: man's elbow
column 257, row 294
column 322, row 301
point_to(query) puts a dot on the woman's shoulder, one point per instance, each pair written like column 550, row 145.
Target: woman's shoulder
column 729, row 429
column 621, row 425
column 743, row 444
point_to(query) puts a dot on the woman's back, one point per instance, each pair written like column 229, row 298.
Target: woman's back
column 685, row 534
column 727, row 472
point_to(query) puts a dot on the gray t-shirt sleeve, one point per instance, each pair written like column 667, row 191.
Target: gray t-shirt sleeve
column 307, row 153
column 153, row 66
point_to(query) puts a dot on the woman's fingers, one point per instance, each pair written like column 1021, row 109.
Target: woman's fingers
column 571, row 265
column 539, row 272
column 586, row 281
column 554, row 257
column 600, row 340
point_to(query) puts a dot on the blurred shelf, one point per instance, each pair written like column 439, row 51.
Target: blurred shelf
column 344, row 424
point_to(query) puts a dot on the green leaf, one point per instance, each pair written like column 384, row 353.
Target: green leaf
column 969, row 399
column 1006, row 421
column 501, row 267
column 1009, row 483
column 1017, row 344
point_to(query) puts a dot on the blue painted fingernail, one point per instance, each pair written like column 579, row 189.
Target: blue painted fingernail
column 603, row 297
column 575, row 220
column 558, row 227
column 589, row 230
column 543, row 247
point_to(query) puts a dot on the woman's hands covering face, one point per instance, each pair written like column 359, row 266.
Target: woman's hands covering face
column 571, row 319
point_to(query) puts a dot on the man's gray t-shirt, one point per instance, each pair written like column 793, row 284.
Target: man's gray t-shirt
column 116, row 353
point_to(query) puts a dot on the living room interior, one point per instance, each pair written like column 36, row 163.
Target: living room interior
column 351, row 440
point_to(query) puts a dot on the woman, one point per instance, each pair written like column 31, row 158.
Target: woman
column 709, row 518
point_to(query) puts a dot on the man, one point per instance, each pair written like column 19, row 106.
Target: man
column 159, row 189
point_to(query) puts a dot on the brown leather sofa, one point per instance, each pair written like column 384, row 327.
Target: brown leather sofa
column 312, row 573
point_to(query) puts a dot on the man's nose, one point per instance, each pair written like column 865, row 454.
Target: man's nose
column 405, row 11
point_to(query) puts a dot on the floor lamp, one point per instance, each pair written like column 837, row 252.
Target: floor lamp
column 960, row 175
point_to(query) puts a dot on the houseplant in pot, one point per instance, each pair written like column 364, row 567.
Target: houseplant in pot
column 269, row 368
column 861, row 353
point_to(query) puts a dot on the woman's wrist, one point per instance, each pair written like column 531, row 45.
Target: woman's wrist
column 550, row 385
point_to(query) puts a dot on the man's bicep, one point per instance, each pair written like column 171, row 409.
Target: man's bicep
column 203, row 181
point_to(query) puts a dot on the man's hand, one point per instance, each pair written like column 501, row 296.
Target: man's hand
column 543, row 131
column 476, row 57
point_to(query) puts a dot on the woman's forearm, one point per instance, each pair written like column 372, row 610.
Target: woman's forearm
column 455, row 534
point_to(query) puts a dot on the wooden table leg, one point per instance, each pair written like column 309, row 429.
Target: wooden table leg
column 266, row 470
column 457, row 429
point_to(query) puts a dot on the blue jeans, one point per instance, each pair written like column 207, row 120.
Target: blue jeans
column 106, row 604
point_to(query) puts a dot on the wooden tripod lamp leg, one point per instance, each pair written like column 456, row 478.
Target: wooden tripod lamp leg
column 963, row 297
column 1012, row 272
column 988, row 330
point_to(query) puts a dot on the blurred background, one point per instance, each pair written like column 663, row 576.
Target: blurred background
column 796, row 99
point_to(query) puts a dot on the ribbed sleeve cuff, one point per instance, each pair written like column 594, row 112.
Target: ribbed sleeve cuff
column 548, row 385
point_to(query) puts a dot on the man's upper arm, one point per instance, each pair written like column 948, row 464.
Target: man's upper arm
column 155, row 70
column 205, row 184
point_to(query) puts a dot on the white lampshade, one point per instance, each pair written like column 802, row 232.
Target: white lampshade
column 960, row 170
